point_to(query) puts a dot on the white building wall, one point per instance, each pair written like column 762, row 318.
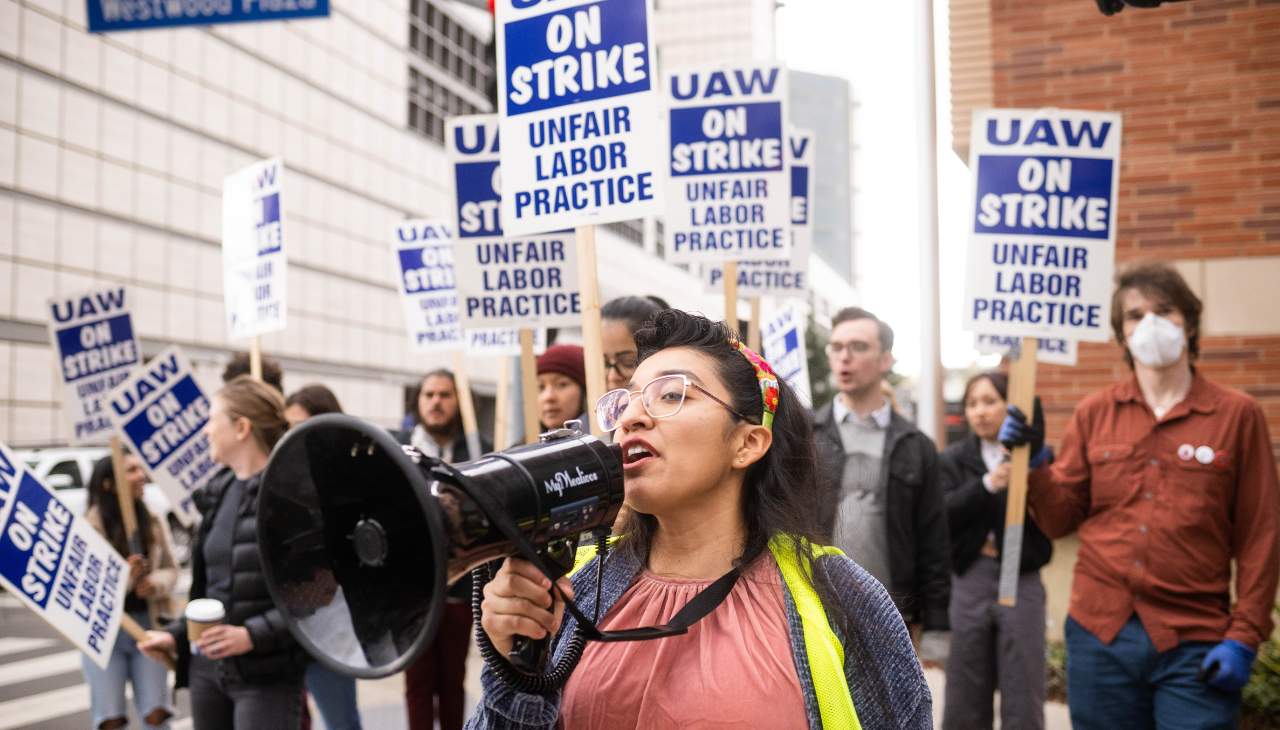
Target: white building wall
column 112, row 153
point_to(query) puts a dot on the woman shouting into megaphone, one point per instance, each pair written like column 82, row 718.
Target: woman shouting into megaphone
column 720, row 479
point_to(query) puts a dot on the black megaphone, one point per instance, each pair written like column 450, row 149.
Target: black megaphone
column 360, row 537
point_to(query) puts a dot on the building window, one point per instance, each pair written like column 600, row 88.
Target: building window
column 430, row 102
column 458, row 56
column 632, row 230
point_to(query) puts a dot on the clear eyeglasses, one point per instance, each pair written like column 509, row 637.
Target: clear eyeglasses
column 660, row 397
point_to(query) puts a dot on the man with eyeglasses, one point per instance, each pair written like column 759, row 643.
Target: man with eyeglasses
column 887, row 510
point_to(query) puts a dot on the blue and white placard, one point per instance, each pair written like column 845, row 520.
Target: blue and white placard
column 728, row 174
column 782, row 339
column 1042, row 223
column 503, row 280
column 158, row 412
column 253, row 253
column 788, row 278
column 579, row 106
column 424, row 251
column 109, row 15
column 95, row 347
column 1052, row 351
column 57, row 565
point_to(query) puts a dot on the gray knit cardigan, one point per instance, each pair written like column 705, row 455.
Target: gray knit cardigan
column 887, row 659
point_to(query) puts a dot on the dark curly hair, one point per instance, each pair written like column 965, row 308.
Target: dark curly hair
column 780, row 496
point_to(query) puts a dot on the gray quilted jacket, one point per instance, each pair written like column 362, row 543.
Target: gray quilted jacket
column 885, row 680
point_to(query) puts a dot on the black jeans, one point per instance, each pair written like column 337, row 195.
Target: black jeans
column 221, row 701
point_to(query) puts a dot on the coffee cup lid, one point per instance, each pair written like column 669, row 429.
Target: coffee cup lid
column 206, row 609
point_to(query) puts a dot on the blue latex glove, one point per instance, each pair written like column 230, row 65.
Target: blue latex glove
column 1015, row 432
column 1234, row 661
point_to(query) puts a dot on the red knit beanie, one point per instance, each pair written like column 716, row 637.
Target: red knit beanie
column 566, row 360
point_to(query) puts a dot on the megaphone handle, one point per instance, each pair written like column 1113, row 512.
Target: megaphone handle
column 529, row 655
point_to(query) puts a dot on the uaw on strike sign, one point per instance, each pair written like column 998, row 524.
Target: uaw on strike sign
column 96, row 347
column 1042, row 241
column 424, row 252
column 159, row 412
column 253, row 256
column 503, row 280
column 57, row 564
column 787, row 278
column 729, row 177
column 579, row 110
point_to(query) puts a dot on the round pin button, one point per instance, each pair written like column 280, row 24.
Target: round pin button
column 1220, row 459
column 1186, row 451
column 1204, row 455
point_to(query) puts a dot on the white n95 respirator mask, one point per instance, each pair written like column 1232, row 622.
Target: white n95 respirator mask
column 1156, row 342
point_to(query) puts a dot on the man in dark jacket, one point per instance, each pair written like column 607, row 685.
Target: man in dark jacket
column 437, row 430
column 881, row 474
column 435, row 679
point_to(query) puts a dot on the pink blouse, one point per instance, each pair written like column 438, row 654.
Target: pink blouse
column 733, row 670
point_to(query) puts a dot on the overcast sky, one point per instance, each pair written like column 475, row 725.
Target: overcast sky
column 873, row 45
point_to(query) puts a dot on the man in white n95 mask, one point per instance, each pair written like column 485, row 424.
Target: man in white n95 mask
column 1167, row 477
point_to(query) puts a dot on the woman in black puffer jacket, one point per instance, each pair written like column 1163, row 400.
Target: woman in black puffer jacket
column 248, row 672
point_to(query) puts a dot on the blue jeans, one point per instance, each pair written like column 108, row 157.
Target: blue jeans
column 106, row 688
column 1130, row 685
column 335, row 696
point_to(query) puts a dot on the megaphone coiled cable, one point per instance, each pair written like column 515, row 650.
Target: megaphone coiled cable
column 549, row 681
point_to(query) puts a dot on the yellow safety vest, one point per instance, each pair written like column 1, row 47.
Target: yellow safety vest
column 826, row 655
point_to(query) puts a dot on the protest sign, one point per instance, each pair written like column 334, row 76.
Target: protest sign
column 522, row 281
column 95, row 347
column 729, row 179
column 253, row 255
column 787, row 278
column 109, row 15
column 1053, row 351
column 57, row 565
column 1043, row 227
column 782, row 336
column 158, row 412
column 424, row 252
column 579, row 111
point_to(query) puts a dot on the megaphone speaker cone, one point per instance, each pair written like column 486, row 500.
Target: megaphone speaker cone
column 353, row 547
column 360, row 537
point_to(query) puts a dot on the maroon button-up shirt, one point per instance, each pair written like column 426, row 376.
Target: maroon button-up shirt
column 1161, row 508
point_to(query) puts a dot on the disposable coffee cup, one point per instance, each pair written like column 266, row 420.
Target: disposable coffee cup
column 201, row 614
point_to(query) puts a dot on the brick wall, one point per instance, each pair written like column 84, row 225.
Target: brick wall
column 1199, row 86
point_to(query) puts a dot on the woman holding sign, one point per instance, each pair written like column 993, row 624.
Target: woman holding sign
column 245, row 673
column 720, row 481
column 992, row 646
column 152, row 576
column 562, row 386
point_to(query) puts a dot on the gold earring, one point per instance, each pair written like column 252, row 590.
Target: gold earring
column 742, row 458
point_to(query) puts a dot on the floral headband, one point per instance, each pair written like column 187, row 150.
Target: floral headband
column 768, row 382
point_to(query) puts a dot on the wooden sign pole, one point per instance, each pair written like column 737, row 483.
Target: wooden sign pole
column 753, row 327
column 124, row 495
column 731, row 294
column 463, row 385
column 1022, row 393
column 129, row 516
column 529, row 386
column 255, row 358
column 592, row 344
column 502, row 403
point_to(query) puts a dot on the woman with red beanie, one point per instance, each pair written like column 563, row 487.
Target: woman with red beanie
column 562, row 386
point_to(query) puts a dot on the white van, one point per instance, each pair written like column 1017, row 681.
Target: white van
column 67, row 470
